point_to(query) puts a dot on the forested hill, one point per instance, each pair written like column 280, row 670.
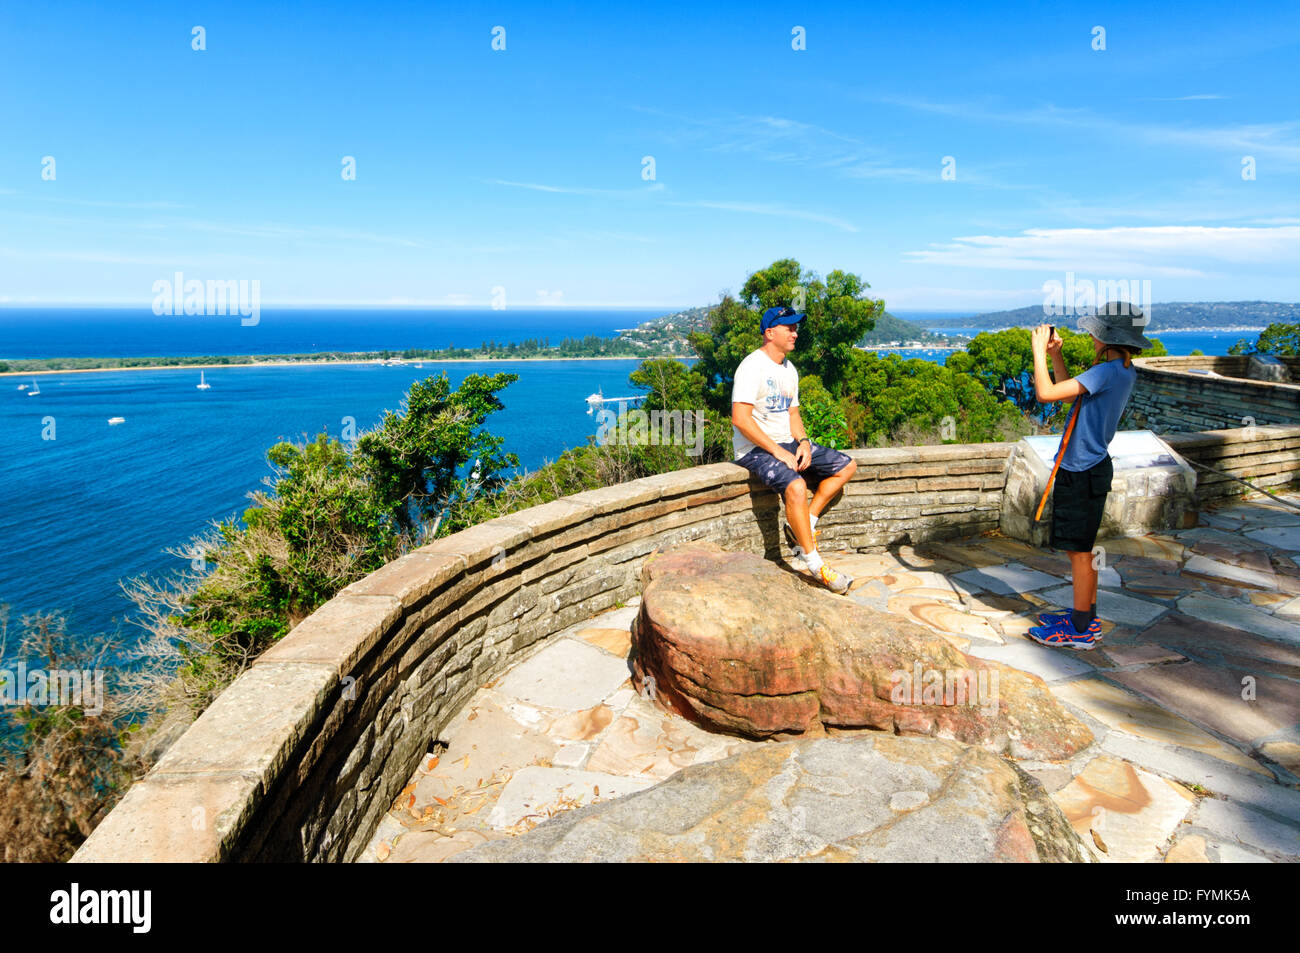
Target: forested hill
column 668, row 333
column 1229, row 315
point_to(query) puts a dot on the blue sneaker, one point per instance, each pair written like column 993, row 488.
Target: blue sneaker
column 1063, row 635
column 1053, row 618
column 1050, row 619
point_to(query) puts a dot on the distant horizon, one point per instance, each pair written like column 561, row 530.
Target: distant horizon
column 487, row 306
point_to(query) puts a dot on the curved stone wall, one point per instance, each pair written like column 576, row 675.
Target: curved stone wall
column 300, row 757
column 1169, row 396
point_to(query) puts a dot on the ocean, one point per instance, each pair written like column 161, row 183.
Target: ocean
column 77, row 332
column 85, row 504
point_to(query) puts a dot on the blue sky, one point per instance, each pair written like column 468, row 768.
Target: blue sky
column 522, row 169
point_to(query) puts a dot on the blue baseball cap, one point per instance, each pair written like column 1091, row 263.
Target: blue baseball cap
column 782, row 314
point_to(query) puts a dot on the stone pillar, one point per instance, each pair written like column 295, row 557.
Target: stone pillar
column 1153, row 488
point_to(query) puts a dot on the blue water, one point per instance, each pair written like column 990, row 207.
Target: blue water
column 101, row 503
column 26, row 333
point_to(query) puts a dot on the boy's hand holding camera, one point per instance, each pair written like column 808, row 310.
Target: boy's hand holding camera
column 1044, row 341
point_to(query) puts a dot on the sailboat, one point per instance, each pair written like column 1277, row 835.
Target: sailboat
column 36, row 389
column 202, row 384
column 595, row 400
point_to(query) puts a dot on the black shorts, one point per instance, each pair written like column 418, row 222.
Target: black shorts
column 776, row 475
column 1078, row 500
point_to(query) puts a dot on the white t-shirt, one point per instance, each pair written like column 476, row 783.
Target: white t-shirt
column 773, row 389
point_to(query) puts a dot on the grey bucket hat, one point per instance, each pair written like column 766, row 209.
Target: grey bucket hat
column 1117, row 322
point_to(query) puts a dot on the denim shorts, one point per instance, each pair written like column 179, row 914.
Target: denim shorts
column 1078, row 500
column 777, row 476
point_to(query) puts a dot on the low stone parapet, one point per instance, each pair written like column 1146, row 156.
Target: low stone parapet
column 302, row 754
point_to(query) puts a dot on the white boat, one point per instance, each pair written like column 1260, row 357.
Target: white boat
column 116, row 420
column 202, row 384
column 22, row 386
column 36, row 389
column 595, row 400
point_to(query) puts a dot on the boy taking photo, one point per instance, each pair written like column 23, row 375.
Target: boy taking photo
column 1084, row 465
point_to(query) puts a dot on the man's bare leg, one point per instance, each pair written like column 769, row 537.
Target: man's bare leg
column 796, row 514
column 830, row 486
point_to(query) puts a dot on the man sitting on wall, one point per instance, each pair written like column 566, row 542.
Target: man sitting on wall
column 770, row 442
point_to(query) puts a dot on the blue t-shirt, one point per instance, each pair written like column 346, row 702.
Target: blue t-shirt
column 1109, row 386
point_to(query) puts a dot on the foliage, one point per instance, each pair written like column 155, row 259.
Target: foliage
column 823, row 416
column 1280, row 339
column 887, row 398
column 413, row 459
column 64, row 764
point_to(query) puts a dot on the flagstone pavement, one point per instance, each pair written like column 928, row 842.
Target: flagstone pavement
column 1193, row 695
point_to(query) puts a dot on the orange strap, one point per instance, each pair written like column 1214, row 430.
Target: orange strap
column 1060, row 454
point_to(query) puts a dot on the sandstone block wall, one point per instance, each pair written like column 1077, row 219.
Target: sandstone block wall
column 1168, row 397
column 1268, row 457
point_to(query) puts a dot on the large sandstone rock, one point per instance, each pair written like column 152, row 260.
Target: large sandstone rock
column 737, row 644
column 855, row 797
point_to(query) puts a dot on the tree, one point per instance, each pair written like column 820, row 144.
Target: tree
column 839, row 314
column 888, row 398
column 672, row 385
column 1280, row 339
column 415, row 459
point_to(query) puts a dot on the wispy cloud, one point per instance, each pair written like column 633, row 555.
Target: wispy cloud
column 1182, row 99
column 758, row 208
column 170, row 260
column 787, row 141
column 105, row 203
column 580, row 190
column 928, row 296
column 299, row 233
column 1275, row 140
column 1167, row 251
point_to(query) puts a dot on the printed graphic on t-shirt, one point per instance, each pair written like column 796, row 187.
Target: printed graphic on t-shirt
column 776, row 402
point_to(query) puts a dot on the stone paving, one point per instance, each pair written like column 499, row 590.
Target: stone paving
column 1193, row 696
